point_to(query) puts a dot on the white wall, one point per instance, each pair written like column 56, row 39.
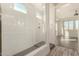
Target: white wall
column 20, row 31
column 52, row 24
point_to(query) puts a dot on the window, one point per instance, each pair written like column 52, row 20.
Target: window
column 20, row 7
column 66, row 25
column 71, row 25
column 76, row 24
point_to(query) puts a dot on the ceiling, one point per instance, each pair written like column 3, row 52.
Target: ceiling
column 66, row 10
column 58, row 5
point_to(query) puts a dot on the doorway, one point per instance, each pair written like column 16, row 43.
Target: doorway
column 67, row 33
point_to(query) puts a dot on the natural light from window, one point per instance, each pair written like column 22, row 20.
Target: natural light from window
column 20, row 7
